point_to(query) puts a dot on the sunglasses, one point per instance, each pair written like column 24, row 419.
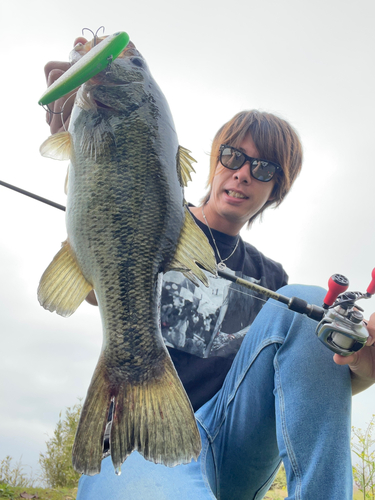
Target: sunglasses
column 234, row 159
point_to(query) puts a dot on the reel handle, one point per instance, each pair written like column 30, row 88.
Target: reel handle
column 338, row 284
column 371, row 288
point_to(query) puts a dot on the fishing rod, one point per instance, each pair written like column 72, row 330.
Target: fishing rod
column 32, row 195
column 341, row 326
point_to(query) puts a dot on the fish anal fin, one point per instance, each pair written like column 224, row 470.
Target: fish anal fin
column 192, row 248
column 184, row 165
column 57, row 146
column 63, row 287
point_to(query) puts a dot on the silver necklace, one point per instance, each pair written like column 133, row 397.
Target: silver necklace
column 221, row 264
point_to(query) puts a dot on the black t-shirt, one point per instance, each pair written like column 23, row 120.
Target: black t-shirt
column 202, row 327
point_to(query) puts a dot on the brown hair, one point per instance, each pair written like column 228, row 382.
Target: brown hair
column 275, row 140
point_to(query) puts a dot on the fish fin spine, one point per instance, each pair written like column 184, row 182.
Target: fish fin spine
column 184, row 165
column 193, row 248
column 63, row 287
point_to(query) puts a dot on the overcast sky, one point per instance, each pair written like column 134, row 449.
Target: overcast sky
column 311, row 63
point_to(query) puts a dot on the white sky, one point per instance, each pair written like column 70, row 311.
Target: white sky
column 310, row 62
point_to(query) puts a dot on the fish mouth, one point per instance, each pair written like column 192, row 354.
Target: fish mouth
column 236, row 194
column 99, row 104
column 82, row 49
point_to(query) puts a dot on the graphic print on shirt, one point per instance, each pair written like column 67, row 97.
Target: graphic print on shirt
column 206, row 321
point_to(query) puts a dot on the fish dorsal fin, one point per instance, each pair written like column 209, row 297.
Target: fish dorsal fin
column 57, row 146
column 193, row 248
column 63, row 287
column 184, row 165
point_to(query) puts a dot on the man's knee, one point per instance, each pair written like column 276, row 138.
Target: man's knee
column 311, row 293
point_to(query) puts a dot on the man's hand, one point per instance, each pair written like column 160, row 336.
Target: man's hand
column 91, row 298
column 361, row 363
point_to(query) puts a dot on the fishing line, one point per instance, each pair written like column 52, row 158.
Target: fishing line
column 61, row 113
column 248, row 294
column 228, row 277
column 258, row 298
column 50, row 113
column 62, row 109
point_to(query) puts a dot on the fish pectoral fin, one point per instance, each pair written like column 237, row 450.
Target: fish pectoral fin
column 193, row 248
column 57, row 146
column 184, row 165
column 63, row 287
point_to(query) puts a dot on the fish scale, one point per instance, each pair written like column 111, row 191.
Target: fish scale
column 127, row 223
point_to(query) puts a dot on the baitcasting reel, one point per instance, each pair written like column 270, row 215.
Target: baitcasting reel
column 341, row 326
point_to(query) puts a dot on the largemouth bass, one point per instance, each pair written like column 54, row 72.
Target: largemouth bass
column 127, row 224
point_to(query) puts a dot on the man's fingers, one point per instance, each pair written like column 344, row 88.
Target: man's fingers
column 79, row 40
column 53, row 67
column 345, row 360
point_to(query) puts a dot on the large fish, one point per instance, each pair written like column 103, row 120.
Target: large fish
column 127, row 224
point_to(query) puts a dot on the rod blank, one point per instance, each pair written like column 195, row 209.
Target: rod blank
column 32, row 195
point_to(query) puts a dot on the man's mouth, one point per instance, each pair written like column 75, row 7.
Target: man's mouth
column 235, row 194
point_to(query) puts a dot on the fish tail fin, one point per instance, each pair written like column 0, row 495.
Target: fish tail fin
column 156, row 419
column 88, row 444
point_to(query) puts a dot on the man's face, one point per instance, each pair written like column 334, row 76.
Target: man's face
column 235, row 195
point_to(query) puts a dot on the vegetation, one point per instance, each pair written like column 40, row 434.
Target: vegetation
column 37, row 493
column 278, row 490
column 14, row 475
column 363, row 445
column 62, row 481
column 56, row 463
column 6, row 491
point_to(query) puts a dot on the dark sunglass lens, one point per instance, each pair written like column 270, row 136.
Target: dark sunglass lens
column 262, row 170
column 231, row 158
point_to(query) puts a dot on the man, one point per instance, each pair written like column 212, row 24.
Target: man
column 271, row 394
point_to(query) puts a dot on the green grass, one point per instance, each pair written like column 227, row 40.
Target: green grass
column 13, row 493
column 276, row 494
column 358, row 495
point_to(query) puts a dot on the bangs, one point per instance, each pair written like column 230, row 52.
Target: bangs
column 275, row 141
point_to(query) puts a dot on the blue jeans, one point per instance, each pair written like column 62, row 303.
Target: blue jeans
column 283, row 399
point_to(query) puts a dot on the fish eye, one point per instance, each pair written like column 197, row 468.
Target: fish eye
column 138, row 62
